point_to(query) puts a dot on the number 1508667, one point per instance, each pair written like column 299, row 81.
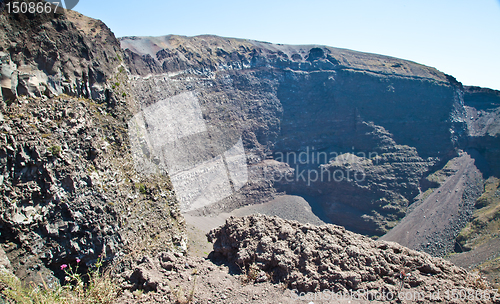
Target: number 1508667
column 23, row 7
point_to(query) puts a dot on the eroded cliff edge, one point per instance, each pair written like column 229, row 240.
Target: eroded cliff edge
column 316, row 112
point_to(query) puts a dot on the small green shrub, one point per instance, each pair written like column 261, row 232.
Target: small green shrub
column 141, row 187
column 55, row 150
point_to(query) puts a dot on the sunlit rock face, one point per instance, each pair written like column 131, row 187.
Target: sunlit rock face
column 354, row 133
column 61, row 52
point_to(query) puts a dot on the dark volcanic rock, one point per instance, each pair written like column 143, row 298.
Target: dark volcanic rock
column 62, row 52
column 483, row 121
column 67, row 181
column 69, row 189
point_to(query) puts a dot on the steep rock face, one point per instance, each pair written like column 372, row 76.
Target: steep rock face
column 457, row 186
column 400, row 119
column 67, row 180
column 483, row 122
column 69, row 189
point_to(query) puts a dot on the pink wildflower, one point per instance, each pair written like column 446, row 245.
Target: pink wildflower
column 63, row 266
column 78, row 260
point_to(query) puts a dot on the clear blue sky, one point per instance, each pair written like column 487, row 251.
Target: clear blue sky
column 458, row 37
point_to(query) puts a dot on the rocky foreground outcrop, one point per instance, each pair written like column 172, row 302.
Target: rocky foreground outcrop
column 314, row 258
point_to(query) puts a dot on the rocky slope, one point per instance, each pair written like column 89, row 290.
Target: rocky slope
column 69, row 189
column 478, row 243
column 66, row 177
column 262, row 259
column 61, row 52
column 434, row 221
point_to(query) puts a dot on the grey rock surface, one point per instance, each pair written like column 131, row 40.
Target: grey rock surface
column 69, row 178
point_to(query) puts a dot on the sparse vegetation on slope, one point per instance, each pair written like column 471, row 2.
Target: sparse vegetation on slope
column 480, row 239
column 485, row 223
column 95, row 287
